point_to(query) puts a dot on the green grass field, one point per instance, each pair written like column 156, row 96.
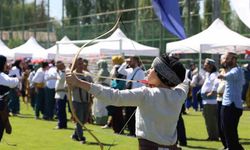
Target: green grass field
column 29, row 134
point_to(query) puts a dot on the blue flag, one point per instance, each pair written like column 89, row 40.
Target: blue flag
column 169, row 14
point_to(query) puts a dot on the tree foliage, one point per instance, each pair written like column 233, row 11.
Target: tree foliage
column 208, row 8
column 191, row 15
column 19, row 14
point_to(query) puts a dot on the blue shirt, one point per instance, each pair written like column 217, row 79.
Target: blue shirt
column 233, row 88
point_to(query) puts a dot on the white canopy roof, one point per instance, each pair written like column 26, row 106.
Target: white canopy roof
column 3, row 47
column 118, row 43
column 65, row 50
column 217, row 38
column 4, row 50
column 30, row 49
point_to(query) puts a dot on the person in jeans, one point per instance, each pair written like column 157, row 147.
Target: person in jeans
column 81, row 101
column 61, row 96
column 231, row 109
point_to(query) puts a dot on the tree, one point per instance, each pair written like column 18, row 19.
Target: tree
column 76, row 8
column 15, row 12
column 226, row 12
column 208, row 8
column 191, row 15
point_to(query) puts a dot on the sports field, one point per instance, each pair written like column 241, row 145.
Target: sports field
column 31, row 134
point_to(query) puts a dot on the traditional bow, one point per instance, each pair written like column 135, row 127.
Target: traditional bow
column 71, row 71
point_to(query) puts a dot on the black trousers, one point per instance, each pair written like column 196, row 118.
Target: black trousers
column 1, row 128
column 117, row 119
column 221, row 134
column 230, row 116
column 181, row 131
column 149, row 145
column 131, row 124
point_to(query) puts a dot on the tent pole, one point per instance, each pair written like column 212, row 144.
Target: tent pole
column 57, row 51
column 200, row 61
column 120, row 46
column 200, row 57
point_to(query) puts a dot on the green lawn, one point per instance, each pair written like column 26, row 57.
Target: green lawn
column 29, row 134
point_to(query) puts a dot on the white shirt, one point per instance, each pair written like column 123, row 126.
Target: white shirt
column 50, row 77
column 130, row 72
column 157, row 109
column 197, row 80
column 15, row 72
column 8, row 81
column 220, row 89
column 60, row 85
column 30, row 78
column 39, row 76
column 210, row 84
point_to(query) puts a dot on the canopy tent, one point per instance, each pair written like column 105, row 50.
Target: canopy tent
column 217, row 38
column 62, row 51
column 4, row 50
column 30, row 49
column 118, row 43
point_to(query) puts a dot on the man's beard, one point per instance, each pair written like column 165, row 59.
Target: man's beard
column 229, row 64
column 223, row 66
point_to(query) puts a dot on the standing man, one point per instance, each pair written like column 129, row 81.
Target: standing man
column 231, row 109
column 6, row 83
column 134, row 72
column 208, row 94
column 14, row 102
column 81, row 100
column 61, row 96
column 50, row 83
column 39, row 81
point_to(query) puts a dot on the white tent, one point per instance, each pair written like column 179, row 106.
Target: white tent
column 4, row 50
column 217, row 38
column 62, row 51
column 30, row 49
column 118, row 43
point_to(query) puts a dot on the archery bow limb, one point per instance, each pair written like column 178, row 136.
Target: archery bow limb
column 71, row 71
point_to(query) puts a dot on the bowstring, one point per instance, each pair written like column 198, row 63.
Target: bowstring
column 124, row 126
column 71, row 71
column 91, row 74
column 103, row 77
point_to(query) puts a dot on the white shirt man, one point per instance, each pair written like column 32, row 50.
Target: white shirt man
column 51, row 77
column 135, row 73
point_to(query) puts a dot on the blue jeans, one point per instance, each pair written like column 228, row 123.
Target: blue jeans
column 196, row 102
column 82, row 112
column 193, row 101
column 14, row 101
column 61, row 112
